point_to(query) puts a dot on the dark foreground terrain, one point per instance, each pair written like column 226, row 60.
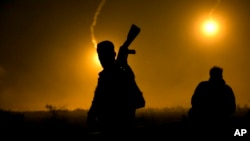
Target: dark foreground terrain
column 151, row 124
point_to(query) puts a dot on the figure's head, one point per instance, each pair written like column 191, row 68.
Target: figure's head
column 106, row 53
column 216, row 72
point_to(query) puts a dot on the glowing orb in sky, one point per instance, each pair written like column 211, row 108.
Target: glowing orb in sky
column 96, row 60
column 210, row 27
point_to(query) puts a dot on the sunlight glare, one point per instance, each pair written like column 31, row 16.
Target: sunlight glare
column 210, row 27
column 96, row 60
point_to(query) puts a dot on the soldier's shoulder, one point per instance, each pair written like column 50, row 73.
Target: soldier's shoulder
column 204, row 83
column 228, row 87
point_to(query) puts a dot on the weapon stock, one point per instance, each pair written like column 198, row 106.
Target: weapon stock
column 124, row 51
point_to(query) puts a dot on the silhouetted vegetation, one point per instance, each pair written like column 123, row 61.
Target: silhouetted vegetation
column 72, row 123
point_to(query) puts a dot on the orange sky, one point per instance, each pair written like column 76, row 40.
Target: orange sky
column 47, row 57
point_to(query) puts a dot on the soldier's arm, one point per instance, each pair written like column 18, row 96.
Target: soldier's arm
column 195, row 100
column 92, row 113
column 231, row 101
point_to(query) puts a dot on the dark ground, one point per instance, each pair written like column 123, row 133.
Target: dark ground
column 151, row 124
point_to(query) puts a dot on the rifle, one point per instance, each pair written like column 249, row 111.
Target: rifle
column 138, row 99
column 123, row 50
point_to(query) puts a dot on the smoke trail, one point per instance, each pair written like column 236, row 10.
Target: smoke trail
column 94, row 22
column 212, row 10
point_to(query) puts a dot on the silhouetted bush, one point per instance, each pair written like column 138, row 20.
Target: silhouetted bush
column 67, row 122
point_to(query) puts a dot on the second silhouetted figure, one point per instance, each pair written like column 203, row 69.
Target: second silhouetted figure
column 213, row 103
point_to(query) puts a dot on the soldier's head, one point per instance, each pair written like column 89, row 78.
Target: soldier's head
column 216, row 72
column 106, row 53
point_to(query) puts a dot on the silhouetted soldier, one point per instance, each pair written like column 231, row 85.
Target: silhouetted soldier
column 213, row 103
column 113, row 105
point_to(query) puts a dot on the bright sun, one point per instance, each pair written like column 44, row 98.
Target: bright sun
column 93, row 60
column 96, row 59
column 210, row 27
